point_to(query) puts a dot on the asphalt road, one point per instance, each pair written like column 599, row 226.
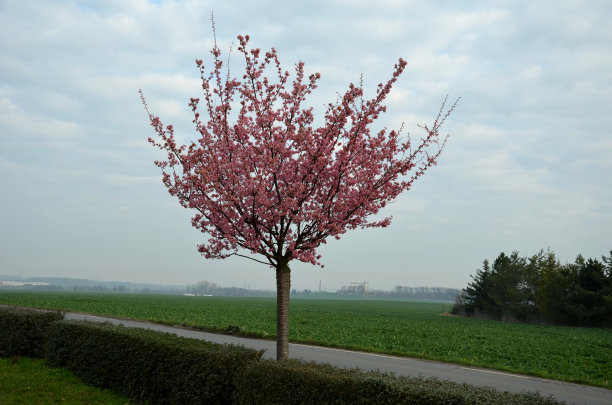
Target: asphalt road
column 570, row 393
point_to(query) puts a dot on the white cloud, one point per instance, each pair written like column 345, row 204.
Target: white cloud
column 17, row 123
column 127, row 180
column 527, row 163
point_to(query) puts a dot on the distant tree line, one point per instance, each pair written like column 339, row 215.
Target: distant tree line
column 207, row 288
column 404, row 292
column 202, row 288
column 540, row 289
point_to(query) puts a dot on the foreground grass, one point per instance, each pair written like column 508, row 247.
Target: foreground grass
column 582, row 355
column 30, row 381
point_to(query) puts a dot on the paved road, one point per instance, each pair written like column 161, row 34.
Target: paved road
column 571, row 393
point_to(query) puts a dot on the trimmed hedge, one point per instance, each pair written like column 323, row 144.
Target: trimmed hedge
column 23, row 332
column 297, row 382
column 146, row 365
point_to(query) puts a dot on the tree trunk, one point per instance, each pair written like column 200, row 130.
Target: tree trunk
column 283, row 287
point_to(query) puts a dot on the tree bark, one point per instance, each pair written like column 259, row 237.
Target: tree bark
column 283, row 287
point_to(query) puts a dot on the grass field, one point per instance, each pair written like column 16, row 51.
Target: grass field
column 414, row 329
column 30, row 381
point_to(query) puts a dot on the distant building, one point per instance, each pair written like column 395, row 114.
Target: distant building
column 21, row 283
column 358, row 288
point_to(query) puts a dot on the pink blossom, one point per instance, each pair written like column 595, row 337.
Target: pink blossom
column 263, row 180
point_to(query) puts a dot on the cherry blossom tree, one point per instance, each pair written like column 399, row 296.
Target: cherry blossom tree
column 268, row 185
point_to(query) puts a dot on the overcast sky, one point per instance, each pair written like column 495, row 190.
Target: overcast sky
column 528, row 164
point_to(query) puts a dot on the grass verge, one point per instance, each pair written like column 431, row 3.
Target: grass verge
column 30, row 381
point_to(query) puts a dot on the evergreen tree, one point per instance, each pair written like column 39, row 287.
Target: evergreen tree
column 539, row 287
column 476, row 294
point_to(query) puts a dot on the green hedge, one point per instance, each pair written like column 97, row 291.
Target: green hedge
column 23, row 332
column 146, row 365
column 296, row 382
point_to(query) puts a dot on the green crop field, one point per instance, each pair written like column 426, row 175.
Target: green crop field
column 414, row 329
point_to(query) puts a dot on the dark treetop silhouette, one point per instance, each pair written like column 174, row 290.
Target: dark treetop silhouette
column 263, row 181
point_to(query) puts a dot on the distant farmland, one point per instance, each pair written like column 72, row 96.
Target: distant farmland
column 414, row 329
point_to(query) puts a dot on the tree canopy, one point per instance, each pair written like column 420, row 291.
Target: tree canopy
column 269, row 185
